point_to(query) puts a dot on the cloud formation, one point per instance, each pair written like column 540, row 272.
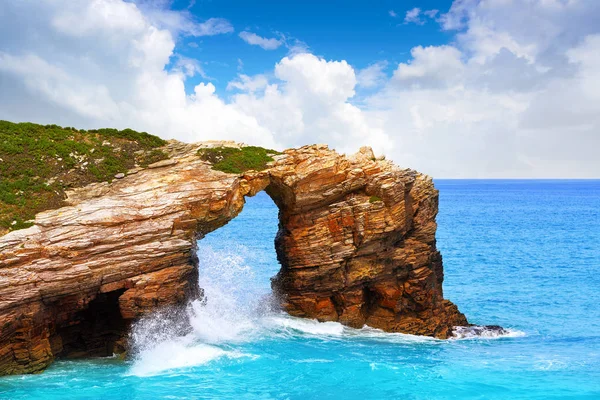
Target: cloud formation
column 265, row 43
column 372, row 76
column 414, row 16
column 515, row 94
column 178, row 22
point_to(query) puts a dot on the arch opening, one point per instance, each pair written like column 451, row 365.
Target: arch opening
column 240, row 257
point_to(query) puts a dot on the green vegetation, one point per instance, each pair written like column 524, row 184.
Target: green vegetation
column 236, row 161
column 39, row 162
column 374, row 199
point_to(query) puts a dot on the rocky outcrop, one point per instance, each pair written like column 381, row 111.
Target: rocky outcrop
column 356, row 244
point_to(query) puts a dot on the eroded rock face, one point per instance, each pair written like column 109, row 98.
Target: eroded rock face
column 356, row 243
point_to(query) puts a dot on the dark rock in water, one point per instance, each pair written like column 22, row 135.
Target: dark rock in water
column 461, row 332
column 356, row 244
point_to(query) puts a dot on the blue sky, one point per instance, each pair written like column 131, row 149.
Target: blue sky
column 360, row 32
column 476, row 89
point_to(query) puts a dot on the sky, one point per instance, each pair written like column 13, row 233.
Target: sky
column 455, row 89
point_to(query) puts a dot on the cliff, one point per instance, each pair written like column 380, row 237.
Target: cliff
column 356, row 244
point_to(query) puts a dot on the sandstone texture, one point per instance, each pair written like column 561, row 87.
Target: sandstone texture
column 356, row 244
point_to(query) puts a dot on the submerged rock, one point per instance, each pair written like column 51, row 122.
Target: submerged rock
column 71, row 284
column 474, row 331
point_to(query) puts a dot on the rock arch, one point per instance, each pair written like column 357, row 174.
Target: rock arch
column 356, row 244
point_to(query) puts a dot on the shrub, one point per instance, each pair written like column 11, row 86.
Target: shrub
column 236, row 161
column 39, row 162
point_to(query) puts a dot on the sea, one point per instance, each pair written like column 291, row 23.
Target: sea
column 523, row 254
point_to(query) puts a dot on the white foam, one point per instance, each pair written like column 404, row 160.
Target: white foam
column 377, row 334
column 550, row 365
column 176, row 354
column 227, row 313
column 292, row 326
column 312, row 360
column 306, row 326
column 483, row 332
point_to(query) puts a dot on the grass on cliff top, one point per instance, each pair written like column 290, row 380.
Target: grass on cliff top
column 39, row 162
column 236, row 161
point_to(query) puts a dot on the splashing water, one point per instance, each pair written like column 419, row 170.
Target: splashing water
column 227, row 313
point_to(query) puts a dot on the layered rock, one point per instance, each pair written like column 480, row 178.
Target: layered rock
column 356, row 244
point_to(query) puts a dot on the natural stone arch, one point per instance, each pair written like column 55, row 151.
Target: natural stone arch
column 356, row 244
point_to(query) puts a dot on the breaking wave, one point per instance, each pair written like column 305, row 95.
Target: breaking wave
column 237, row 308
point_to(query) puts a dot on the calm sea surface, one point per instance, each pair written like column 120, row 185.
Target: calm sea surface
column 521, row 254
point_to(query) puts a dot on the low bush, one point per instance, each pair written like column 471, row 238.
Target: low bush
column 39, row 162
column 237, row 160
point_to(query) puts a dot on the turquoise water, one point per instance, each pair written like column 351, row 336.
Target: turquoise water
column 521, row 254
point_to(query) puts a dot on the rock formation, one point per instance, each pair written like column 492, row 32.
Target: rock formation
column 356, row 244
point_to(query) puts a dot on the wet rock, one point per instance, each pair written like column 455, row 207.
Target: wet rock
column 120, row 175
column 474, row 331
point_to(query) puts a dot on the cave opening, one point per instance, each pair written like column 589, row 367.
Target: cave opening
column 96, row 331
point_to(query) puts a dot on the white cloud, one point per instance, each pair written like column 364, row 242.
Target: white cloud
column 309, row 104
column 515, row 94
column 254, row 39
column 413, row 16
column 295, row 46
column 373, row 75
column 392, row 13
column 432, row 65
column 457, row 16
column 57, row 86
column 188, row 67
column 249, row 84
column 182, row 22
column 431, row 13
column 211, row 27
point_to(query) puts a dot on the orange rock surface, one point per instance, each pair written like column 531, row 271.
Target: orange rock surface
column 356, row 244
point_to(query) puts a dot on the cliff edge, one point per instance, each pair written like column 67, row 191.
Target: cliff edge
column 356, row 244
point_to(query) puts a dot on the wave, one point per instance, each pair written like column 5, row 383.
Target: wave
column 177, row 354
column 294, row 326
column 286, row 325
